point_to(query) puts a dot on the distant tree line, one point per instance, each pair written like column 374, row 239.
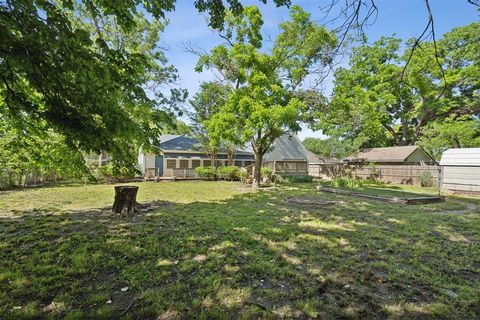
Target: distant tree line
column 434, row 101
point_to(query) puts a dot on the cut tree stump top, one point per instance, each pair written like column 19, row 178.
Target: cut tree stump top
column 126, row 187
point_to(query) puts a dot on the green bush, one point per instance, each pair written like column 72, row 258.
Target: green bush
column 377, row 182
column 296, row 179
column 426, row 179
column 346, row 182
column 266, row 172
column 206, row 173
column 243, row 175
column 111, row 173
column 230, row 173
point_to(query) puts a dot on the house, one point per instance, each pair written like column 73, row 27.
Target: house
column 314, row 164
column 179, row 156
column 460, row 170
column 399, row 165
column 324, row 168
column 287, row 156
column 403, row 155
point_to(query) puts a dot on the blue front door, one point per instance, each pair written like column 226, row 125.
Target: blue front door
column 159, row 165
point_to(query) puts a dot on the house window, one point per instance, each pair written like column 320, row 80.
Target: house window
column 238, row 163
column 183, row 164
column 301, row 166
column 171, row 163
column 247, row 163
column 218, row 163
column 195, row 163
column 207, row 163
column 291, row 166
column 279, row 166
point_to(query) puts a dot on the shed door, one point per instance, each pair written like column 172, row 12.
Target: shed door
column 159, row 165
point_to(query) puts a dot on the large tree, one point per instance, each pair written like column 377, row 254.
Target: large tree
column 380, row 101
column 265, row 85
column 452, row 132
column 330, row 148
column 205, row 104
column 62, row 70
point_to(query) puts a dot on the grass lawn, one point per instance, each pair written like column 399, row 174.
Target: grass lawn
column 217, row 250
column 400, row 191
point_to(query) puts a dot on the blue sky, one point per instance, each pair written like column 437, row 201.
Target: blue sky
column 404, row 18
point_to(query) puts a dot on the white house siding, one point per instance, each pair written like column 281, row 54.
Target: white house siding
column 461, row 170
column 149, row 161
column 149, row 170
column 141, row 160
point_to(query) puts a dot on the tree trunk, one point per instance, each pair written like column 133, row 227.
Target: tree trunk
column 213, row 158
column 257, row 177
column 125, row 199
column 230, row 154
column 102, row 157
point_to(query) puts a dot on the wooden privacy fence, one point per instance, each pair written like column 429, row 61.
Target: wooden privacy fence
column 396, row 174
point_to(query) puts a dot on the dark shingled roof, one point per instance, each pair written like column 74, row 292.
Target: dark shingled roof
column 179, row 143
column 185, row 143
column 313, row 158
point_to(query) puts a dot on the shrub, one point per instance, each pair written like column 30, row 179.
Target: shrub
column 346, row 182
column 266, row 172
column 110, row 173
column 206, row 173
column 230, row 173
column 375, row 181
column 426, row 179
column 243, row 175
column 296, row 179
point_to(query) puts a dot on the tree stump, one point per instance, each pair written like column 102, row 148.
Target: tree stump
column 125, row 199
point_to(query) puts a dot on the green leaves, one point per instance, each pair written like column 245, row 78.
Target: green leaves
column 301, row 45
column 452, row 132
column 262, row 100
column 330, row 148
column 86, row 73
column 386, row 98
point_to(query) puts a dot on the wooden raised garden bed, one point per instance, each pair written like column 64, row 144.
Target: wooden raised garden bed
column 409, row 201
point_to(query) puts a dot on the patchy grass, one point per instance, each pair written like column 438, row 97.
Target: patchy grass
column 220, row 252
column 401, row 191
column 79, row 197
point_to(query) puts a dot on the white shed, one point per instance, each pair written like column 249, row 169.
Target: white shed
column 461, row 170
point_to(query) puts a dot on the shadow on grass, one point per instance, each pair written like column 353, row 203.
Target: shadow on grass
column 252, row 256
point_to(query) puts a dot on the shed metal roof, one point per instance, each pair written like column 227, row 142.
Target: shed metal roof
column 287, row 147
column 461, row 157
column 386, row 154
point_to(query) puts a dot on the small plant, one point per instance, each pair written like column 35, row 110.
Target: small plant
column 266, row 172
column 374, row 181
column 346, row 182
column 297, row 179
column 230, row 173
column 426, row 179
column 111, row 174
column 267, row 175
column 244, row 175
column 206, row 173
